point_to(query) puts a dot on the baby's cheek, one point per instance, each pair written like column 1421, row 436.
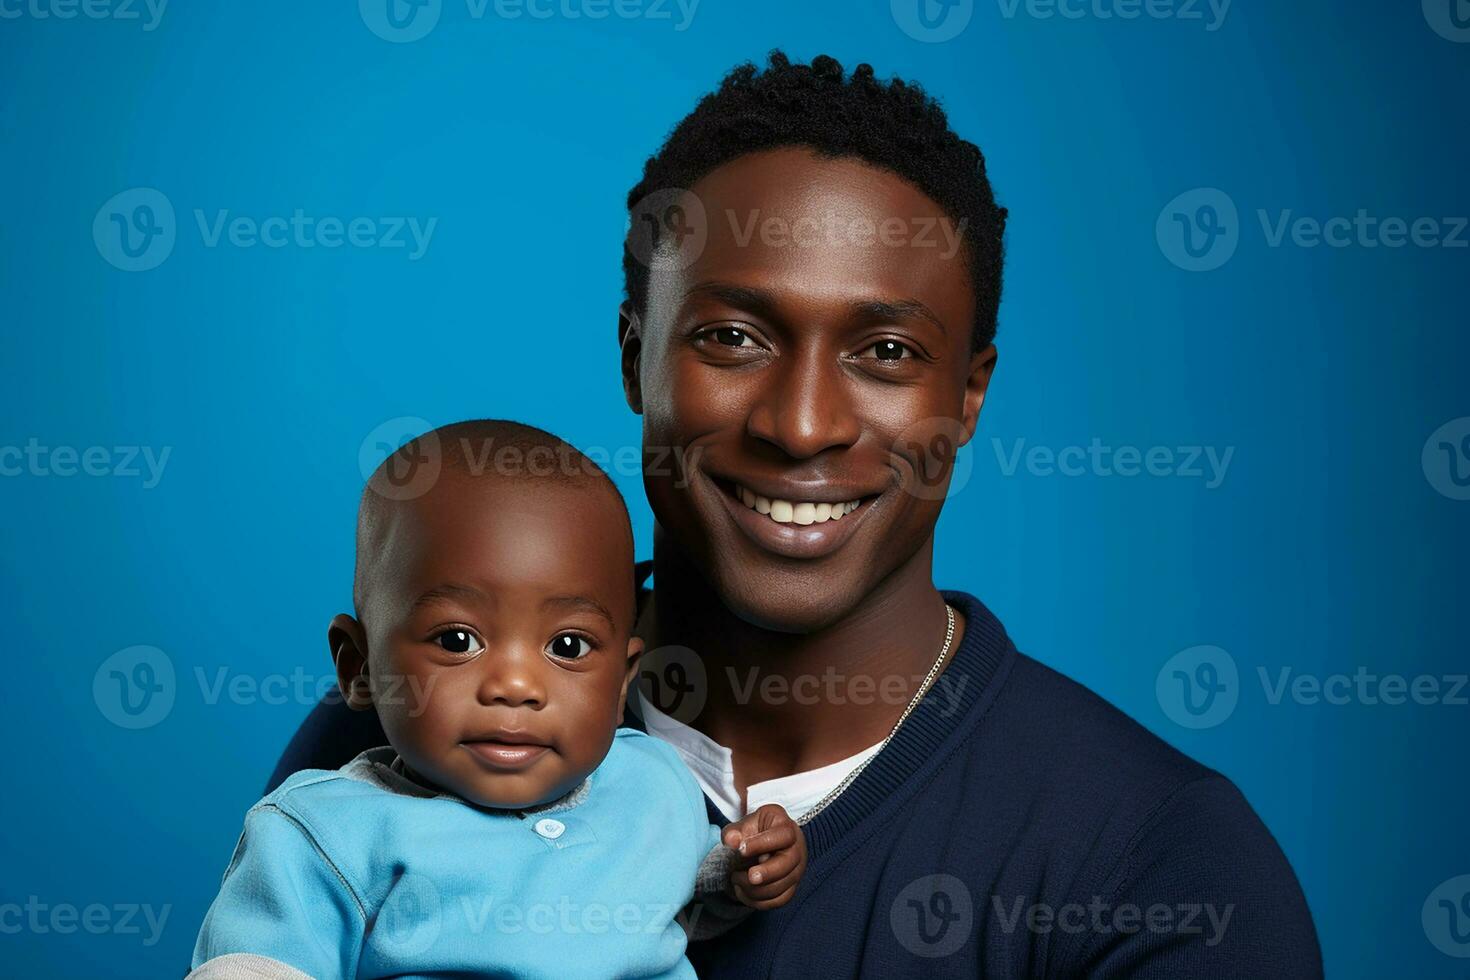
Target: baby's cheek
column 589, row 743
column 421, row 710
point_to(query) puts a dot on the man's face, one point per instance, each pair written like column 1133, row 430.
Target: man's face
column 816, row 352
column 496, row 623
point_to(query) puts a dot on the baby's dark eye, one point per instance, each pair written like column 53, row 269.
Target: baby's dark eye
column 459, row 641
column 890, row 350
column 569, row 646
column 732, row 337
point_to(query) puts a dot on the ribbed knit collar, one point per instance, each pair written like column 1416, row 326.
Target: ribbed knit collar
column 947, row 712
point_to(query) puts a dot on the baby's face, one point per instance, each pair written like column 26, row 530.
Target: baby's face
column 501, row 611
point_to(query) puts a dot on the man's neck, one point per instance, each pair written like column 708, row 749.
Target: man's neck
column 791, row 702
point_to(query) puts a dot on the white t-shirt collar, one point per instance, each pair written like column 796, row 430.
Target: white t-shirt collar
column 711, row 764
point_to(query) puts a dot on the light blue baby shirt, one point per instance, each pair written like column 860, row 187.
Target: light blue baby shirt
column 358, row 872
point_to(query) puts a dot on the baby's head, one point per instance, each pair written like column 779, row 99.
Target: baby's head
column 494, row 612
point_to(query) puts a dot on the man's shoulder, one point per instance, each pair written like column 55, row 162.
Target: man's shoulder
column 1041, row 741
column 1076, row 732
column 1164, row 828
column 1134, row 819
column 1057, row 749
column 1057, row 728
column 1110, row 767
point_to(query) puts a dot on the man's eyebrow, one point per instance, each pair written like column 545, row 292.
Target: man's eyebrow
column 898, row 309
column 448, row 591
column 760, row 302
column 757, row 301
column 578, row 602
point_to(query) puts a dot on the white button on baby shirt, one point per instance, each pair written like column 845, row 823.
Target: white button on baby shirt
column 549, row 828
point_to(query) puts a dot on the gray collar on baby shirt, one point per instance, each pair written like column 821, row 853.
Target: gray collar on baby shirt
column 383, row 767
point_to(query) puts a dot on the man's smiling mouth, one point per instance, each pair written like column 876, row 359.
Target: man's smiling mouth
column 795, row 511
column 791, row 527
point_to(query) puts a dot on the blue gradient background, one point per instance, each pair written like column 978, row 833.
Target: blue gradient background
column 1325, row 549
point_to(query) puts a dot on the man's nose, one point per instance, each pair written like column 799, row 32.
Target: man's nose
column 805, row 405
column 512, row 677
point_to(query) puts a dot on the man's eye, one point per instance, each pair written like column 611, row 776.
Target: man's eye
column 459, row 641
column 569, row 646
column 731, row 337
column 891, row 350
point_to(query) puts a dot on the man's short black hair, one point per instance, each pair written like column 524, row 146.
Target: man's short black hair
column 892, row 124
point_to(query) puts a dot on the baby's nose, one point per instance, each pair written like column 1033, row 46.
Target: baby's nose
column 513, row 678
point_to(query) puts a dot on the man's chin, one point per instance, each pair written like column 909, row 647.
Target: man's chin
column 788, row 600
column 771, row 591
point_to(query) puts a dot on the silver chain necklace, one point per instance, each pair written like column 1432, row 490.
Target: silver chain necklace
column 914, row 703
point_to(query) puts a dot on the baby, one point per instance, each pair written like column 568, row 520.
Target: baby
column 510, row 829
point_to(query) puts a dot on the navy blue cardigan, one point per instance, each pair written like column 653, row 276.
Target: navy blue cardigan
column 1017, row 826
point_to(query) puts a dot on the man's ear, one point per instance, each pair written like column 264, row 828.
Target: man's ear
column 630, row 344
column 635, row 654
column 348, row 643
column 982, row 366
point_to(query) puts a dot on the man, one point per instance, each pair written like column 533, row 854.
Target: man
column 813, row 273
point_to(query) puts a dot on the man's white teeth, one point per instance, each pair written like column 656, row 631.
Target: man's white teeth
column 795, row 512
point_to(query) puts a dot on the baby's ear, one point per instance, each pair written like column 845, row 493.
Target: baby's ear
column 635, row 653
column 348, row 644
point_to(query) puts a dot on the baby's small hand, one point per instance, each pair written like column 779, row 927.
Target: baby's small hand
column 772, row 857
